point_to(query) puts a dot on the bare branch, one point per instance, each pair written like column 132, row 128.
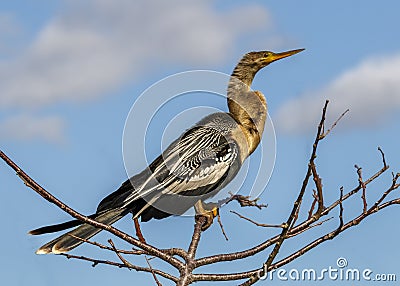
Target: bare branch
column 123, row 260
column 363, row 186
column 196, row 236
column 314, row 202
column 186, row 276
column 96, row 262
column 294, row 213
column 330, row 235
column 291, row 234
column 324, row 134
column 290, row 228
column 299, row 228
column 222, row 227
column 341, row 210
column 257, row 223
column 244, row 201
column 393, row 187
column 152, row 272
column 318, row 185
column 102, row 246
column 255, row 274
column 383, row 157
column 50, row 198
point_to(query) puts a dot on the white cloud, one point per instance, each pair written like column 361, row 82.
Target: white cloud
column 10, row 33
column 28, row 127
column 370, row 90
column 94, row 46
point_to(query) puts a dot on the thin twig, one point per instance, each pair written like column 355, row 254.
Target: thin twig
column 324, row 134
column 257, row 223
column 318, row 185
column 123, row 260
column 363, row 186
column 314, row 202
column 310, row 227
column 296, row 214
column 393, row 187
column 152, row 272
column 340, row 210
column 383, row 156
column 244, row 201
column 222, row 227
column 96, row 262
column 102, row 246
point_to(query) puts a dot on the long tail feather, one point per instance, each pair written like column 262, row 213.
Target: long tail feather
column 67, row 241
column 57, row 227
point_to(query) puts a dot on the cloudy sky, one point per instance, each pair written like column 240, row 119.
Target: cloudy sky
column 70, row 72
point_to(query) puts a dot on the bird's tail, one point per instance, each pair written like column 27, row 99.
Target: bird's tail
column 68, row 241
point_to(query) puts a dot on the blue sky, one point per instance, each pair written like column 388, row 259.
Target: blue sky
column 71, row 70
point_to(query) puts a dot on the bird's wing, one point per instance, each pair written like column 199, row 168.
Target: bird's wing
column 199, row 159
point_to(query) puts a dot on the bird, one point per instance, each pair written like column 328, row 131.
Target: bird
column 193, row 168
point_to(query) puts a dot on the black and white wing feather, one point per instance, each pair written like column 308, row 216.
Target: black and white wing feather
column 196, row 166
column 201, row 161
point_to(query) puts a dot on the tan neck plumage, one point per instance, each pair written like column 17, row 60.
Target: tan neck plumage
column 248, row 108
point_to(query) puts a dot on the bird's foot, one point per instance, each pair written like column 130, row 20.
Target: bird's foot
column 209, row 211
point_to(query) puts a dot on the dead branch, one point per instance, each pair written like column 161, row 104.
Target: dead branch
column 291, row 228
column 244, row 201
column 222, row 227
column 123, row 260
column 96, row 262
column 318, row 185
column 310, row 227
column 314, row 202
column 153, row 272
column 296, row 206
column 257, row 223
column 323, row 135
column 294, row 230
column 124, row 236
column 363, row 186
column 186, row 276
column 102, row 246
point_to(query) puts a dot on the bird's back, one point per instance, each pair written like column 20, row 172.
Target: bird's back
column 203, row 160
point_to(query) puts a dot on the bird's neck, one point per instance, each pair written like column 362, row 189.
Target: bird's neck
column 241, row 79
column 247, row 107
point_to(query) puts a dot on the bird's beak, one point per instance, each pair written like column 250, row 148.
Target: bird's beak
column 278, row 56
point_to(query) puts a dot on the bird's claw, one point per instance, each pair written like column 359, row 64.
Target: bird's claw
column 209, row 216
column 208, row 211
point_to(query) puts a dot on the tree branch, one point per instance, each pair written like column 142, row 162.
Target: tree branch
column 50, row 198
column 257, row 223
column 96, row 262
column 290, row 228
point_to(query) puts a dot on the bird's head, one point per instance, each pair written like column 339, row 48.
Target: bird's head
column 252, row 62
column 261, row 59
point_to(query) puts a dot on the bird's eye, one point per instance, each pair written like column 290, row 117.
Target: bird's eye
column 266, row 55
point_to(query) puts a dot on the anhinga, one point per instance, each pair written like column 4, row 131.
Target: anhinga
column 197, row 165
